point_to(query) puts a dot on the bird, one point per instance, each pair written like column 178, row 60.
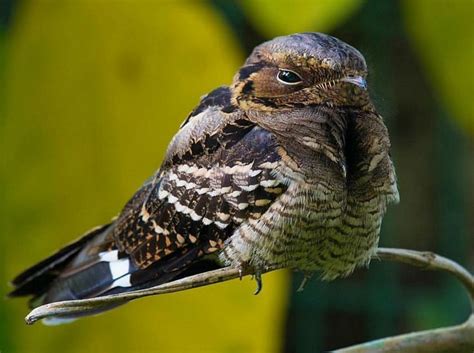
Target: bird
column 289, row 166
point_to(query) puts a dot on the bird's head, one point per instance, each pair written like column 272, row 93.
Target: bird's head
column 300, row 70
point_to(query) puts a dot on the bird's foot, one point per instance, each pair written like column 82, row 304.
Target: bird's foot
column 245, row 268
column 258, row 278
column 306, row 278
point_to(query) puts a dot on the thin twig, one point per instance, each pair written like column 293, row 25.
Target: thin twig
column 424, row 259
column 430, row 261
column 84, row 306
column 455, row 339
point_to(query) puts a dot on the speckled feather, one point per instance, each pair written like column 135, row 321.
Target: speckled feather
column 201, row 201
column 288, row 166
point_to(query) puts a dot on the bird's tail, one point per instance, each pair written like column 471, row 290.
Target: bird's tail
column 37, row 279
column 92, row 266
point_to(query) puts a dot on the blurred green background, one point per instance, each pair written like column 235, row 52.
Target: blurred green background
column 91, row 93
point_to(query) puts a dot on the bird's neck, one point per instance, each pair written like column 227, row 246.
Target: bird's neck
column 348, row 147
column 313, row 137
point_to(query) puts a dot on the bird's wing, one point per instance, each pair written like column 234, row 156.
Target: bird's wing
column 217, row 174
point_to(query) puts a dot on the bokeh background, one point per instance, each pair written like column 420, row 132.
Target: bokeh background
column 92, row 91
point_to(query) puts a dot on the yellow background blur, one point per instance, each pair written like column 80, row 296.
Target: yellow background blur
column 95, row 92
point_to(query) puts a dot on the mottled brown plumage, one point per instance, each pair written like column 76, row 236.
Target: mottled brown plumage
column 288, row 166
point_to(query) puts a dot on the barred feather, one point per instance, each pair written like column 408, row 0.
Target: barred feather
column 264, row 172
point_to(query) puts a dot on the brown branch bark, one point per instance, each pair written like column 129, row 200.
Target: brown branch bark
column 450, row 339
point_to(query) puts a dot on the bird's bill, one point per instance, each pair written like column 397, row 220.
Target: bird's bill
column 356, row 80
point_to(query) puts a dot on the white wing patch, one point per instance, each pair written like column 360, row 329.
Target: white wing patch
column 122, row 282
column 109, row 256
column 119, row 269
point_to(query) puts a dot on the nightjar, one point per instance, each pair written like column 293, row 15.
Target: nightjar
column 289, row 166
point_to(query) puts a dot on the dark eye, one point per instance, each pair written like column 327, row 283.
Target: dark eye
column 289, row 77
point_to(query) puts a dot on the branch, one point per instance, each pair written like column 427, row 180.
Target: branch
column 430, row 261
column 455, row 339
column 452, row 339
column 85, row 306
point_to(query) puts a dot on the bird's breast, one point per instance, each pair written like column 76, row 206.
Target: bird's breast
column 311, row 228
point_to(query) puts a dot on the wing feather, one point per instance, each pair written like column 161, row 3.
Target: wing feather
column 215, row 177
column 198, row 202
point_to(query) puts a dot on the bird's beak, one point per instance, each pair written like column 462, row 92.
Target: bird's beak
column 356, row 80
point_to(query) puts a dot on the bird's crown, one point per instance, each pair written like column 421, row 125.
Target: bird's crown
column 299, row 70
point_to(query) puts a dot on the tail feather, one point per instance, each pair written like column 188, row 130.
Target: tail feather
column 36, row 279
column 92, row 266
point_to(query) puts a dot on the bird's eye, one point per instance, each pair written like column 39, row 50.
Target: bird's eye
column 289, row 77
